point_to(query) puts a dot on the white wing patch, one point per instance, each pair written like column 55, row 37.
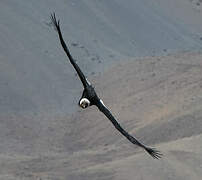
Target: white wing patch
column 102, row 103
column 88, row 81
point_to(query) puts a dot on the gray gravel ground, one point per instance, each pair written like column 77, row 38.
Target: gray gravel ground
column 39, row 90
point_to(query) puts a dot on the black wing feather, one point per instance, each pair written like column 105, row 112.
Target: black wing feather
column 56, row 24
column 153, row 152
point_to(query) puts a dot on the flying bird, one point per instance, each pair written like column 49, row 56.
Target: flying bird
column 89, row 96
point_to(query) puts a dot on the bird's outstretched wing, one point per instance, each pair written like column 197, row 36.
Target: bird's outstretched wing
column 153, row 152
column 56, row 24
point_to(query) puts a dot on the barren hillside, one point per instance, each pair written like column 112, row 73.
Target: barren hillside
column 157, row 99
column 144, row 58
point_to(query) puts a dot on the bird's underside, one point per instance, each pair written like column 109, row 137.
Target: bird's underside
column 89, row 96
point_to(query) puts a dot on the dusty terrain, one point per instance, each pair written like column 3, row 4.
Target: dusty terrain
column 146, row 65
column 35, row 79
column 157, row 99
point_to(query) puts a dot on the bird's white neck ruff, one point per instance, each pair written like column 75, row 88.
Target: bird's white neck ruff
column 84, row 103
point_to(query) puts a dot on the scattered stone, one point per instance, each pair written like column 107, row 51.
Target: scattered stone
column 93, row 58
column 74, row 44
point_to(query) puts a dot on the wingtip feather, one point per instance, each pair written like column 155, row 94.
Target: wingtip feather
column 154, row 153
column 55, row 22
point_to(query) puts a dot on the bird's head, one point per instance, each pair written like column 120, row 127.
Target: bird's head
column 84, row 103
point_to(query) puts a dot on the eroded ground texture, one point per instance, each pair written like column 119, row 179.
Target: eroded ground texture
column 144, row 59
